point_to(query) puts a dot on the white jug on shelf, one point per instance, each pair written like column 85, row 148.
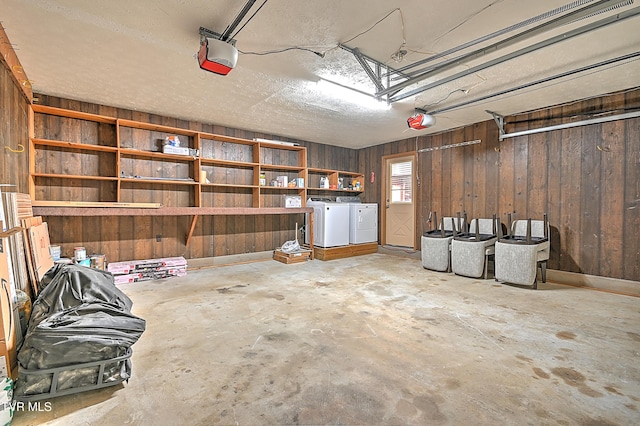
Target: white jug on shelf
column 324, row 182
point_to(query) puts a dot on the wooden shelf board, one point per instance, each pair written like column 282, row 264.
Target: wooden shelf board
column 166, row 181
column 325, row 171
column 281, row 188
column 330, row 171
column 228, row 185
column 83, row 177
column 223, row 138
column 230, row 163
column 60, row 112
column 165, row 211
column 101, row 204
column 334, row 190
column 156, row 127
column 281, row 167
column 74, row 145
column 153, row 154
column 280, row 146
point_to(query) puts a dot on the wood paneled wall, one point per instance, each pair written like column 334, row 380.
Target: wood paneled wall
column 126, row 238
column 14, row 131
column 587, row 179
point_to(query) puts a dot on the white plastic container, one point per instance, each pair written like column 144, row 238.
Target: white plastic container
column 55, row 252
column 79, row 253
column 6, row 398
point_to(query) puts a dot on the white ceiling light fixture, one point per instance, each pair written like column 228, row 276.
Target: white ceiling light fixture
column 351, row 95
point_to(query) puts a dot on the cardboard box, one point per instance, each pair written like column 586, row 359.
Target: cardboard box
column 133, row 266
column 8, row 356
column 149, row 275
column 288, row 258
column 179, row 150
column 40, row 243
column 292, row 201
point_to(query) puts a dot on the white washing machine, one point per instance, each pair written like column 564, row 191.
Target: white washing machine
column 363, row 220
column 330, row 223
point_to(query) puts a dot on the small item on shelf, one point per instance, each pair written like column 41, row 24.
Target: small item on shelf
column 283, row 181
column 340, row 182
column 263, row 179
column 172, row 141
column 299, row 182
column 274, row 182
column 292, row 201
column 292, row 184
column 357, row 186
column 180, row 150
column 324, row 182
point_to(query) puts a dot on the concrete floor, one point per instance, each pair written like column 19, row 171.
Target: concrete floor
column 369, row 340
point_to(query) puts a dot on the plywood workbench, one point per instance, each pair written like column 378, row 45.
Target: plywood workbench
column 174, row 211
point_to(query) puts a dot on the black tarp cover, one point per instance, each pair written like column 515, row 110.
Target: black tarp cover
column 79, row 316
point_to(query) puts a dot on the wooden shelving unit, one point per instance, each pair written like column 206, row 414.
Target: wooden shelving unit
column 113, row 165
column 85, row 157
column 339, row 181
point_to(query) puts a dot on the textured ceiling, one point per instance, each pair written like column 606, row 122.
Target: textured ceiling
column 141, row 55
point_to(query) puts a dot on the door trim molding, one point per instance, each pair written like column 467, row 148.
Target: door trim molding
column 383, row 195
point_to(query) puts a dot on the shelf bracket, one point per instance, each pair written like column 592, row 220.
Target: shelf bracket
column 191, row 229
column 499, row 119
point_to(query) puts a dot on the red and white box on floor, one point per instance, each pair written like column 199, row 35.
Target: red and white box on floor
column 149, row 269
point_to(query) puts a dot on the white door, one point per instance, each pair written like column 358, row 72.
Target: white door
column 399, row 201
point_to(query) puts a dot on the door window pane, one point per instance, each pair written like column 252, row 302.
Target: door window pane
column 401, row 181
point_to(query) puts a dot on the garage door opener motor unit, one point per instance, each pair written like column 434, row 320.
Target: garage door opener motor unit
column 216, row 55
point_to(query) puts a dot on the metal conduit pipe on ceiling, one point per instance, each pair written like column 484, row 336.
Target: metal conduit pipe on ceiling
column 495, row 34
column 517, row 38
column 537, row 46
column 612, row 61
